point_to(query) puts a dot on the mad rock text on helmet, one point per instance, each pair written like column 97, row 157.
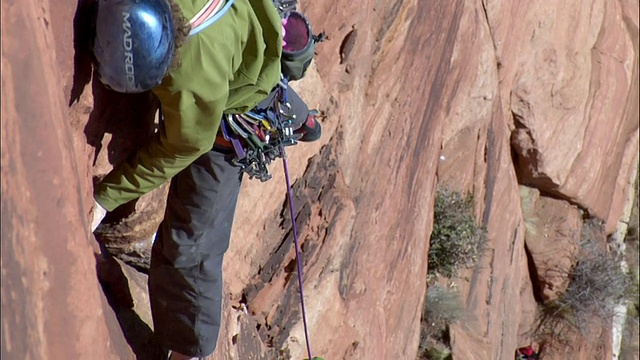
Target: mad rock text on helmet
column 134, row 43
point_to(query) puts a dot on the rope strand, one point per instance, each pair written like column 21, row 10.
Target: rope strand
column 297, row 247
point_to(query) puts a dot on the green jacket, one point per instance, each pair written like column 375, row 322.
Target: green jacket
column 227, row 68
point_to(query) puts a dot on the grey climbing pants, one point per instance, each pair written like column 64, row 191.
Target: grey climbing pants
column 185, row 277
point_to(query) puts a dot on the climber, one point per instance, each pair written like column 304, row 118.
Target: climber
column 526, row 353
column 222, row 63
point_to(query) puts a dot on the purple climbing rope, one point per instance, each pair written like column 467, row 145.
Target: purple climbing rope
column 297, row 246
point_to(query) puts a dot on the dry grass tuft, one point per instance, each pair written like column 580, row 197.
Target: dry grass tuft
column 442, row 308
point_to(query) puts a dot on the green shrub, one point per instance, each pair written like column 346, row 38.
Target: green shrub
column 456, row 239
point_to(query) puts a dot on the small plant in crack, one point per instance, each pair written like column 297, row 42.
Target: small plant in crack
column 456, row 240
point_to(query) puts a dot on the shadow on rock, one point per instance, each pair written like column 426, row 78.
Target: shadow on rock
column 118, row 125
column 125, row 289
column 128, row 118
column 83, row 33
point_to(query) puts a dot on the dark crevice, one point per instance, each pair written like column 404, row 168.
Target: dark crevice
column 533, row 276
column 115, row 287
column 83, row 31
column 493, row 40
column 486, row 18
column 524, row 164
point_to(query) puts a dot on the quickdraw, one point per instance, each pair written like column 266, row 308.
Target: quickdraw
column 285, row 6
column 259, row 137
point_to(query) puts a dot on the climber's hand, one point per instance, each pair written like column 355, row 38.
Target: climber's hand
column 98, row 214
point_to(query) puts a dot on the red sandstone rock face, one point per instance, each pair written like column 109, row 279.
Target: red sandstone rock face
column 552, row 238
column 52, row 305
column 569, row 76
column 414, row 93
column 364, row 214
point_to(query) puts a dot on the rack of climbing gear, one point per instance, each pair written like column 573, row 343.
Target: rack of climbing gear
column 259, row 137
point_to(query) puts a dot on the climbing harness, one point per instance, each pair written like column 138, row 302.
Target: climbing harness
column 259, row 136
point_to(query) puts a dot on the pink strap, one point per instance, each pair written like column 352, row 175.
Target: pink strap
column 206, row 14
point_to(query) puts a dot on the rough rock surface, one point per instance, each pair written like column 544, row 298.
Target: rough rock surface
column 52, row 306
column 580, row 68
column 552, row 239
column 355, row 279
column 481, row 95
column 476, row 157
column 569, row 344
column 474, row 128
column 594, row 339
